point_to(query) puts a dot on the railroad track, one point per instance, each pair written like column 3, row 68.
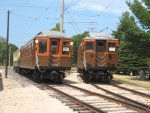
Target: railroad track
column 126, row 98
column 133, row 91
column 85, row 101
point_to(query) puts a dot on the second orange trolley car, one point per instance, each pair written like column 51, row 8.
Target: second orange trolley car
column 97, row 57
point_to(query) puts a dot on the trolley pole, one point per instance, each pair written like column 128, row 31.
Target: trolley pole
column 62, row 16
column 7, row 46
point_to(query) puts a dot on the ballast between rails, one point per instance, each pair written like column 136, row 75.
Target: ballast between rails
column 136, row 92
column 122, row 97
column 125, row 103
column 89, row 107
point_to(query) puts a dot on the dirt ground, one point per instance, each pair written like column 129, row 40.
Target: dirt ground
column 19, row 95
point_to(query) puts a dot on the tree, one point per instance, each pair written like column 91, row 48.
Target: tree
column 141, row 10
column 134, row 53
column 57, row 27
column 76, row 42
column 3, row 50
column 12, row 50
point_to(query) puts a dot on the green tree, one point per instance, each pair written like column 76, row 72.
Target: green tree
column 3, row 50
column 12, row 49
column 141, row 10
column 56, row 28
column 76, row 42
column 134, row 53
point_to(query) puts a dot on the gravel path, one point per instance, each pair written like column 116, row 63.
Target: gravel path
column 20, row 95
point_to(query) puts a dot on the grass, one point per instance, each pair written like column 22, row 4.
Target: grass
column 133, row 80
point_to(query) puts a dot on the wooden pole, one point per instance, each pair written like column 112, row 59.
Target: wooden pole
column 7, row 45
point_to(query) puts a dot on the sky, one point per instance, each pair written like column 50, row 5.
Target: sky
column 29, row 17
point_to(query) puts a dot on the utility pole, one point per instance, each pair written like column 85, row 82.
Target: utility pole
column 62, row 16
column 7, row 46
column 9, row 55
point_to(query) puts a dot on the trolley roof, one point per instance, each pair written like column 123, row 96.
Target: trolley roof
column 100, row 36
column 51, row 34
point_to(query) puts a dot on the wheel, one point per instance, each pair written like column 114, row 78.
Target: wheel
column 20, row 71
column 86, row 78
column 37, row 76
column 109, row 77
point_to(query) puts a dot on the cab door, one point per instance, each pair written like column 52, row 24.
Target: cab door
column 89, row 54
column 101, row 54
column 54, row 52
column 54, row 47
column 41, row 51
column 66, row 49
column 112, row 54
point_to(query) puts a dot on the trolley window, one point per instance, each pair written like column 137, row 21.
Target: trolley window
column 66, row 48
column 66, row 43
column 100, row 46
column 89, row 45
column 54, row 43
column 111, row 47
column 54, row 47
column 42, row 46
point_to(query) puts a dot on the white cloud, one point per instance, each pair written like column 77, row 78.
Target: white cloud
column 108, row 6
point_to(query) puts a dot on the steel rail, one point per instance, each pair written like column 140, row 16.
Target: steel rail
column 122, row 97
column 77, row 101
column 134, row 106
column 136, row 92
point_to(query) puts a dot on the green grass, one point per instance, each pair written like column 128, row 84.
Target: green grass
column 133, row 80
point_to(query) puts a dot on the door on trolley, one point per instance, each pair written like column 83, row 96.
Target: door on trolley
column 54, row 52
column 112, row 54
column 101, row 56
column 41, row 51
column 54, row 47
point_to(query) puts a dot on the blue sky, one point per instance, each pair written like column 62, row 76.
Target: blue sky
column 28, row 17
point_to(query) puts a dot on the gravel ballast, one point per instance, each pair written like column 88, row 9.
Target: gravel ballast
column 20, row 95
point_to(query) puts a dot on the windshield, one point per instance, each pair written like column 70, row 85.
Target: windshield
column 89, row 45
column 111, row 47
column 42, row 46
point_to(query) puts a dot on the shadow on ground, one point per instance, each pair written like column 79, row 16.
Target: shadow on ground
column 115, row 82
column 103, row 83
column 69, row 81
column 1, row 82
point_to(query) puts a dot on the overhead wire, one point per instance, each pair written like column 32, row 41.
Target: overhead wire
column 73, row 21
column 68, row 6
column 80, row 22
column 57, row 7
column 13, row 5
column 33, row 18
column 32, row 23
column 71, row 4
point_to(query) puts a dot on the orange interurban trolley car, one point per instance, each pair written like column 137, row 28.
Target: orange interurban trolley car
column 47, row 55
column 97, row 57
